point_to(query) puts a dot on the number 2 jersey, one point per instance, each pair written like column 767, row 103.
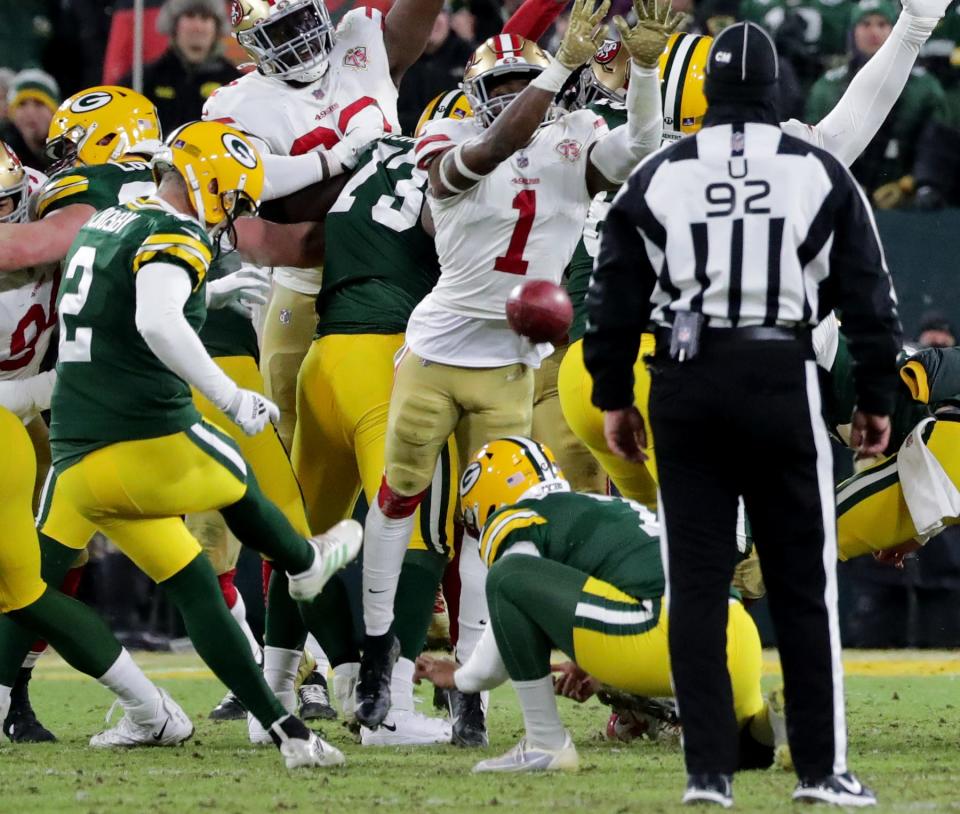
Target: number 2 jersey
column 379, row 261
column 520, row 222
column 110, row 386
column 293, row 120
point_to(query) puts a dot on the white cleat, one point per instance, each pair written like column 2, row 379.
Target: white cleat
column 407, row 728
column 525, row 758
column 345, row 678
column 167, row 726
column 333, row 550
column 257, row 734
column 301, row 748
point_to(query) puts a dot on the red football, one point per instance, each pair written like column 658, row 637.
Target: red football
column 539, row 310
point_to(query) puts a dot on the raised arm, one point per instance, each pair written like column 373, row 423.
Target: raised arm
column 406, row 29
column 533, row 17
column 43, row 241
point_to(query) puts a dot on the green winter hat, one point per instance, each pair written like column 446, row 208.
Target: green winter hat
column 34, row 84
column 865, row 8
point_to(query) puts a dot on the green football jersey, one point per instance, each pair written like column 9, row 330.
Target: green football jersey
column 826, row 22
column 110, row 386
column 610, row 538
column 225, row 333
column 379, row 262
column 581, row 265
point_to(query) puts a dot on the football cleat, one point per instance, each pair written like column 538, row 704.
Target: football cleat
column 777, row 715
column 167, row 726
column 345, row 678
column 469, row 721
column 315, row 700
column 526, row 758
column 333, row 550
column 716, row 789
column 380, row 654
column 837, row 789
column 407, row 728
column 229, row 709
column 302, row 748
column 20, row 722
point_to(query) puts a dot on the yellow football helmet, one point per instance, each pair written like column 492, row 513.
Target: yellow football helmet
column 288, row 39
column 503, row 472
column 505, row 56
column 102, row 124
column 683, row 71
column 222, row 169
column 450, row 105
column 13, row 184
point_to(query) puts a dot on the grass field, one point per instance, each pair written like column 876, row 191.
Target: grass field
column 904, row 714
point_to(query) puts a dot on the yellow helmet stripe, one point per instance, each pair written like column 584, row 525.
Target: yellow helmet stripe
column 509, row 521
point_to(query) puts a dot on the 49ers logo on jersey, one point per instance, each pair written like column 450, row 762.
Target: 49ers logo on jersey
column 607, row 52
column 569, row 149
column 356, row 58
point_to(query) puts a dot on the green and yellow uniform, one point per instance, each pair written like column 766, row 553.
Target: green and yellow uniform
column 825, row 21
column 635, row 481
column 583, row 573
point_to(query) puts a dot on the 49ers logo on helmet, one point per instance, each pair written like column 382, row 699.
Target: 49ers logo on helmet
column 236, row 13
column 607, row 52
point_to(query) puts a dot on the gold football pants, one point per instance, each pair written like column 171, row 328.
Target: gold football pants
column 634, row 481
column 20, row 581
column 343, row 398
column 431, row 402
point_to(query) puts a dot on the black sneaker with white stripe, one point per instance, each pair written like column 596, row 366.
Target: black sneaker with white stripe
column 315, row 700
column 837, row 789
column 715, row 789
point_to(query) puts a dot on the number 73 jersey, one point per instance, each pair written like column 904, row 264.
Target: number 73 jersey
column 521, row 221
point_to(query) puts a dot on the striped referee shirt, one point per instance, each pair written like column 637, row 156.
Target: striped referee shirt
column 748, row 226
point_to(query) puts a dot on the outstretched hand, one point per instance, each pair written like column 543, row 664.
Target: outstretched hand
column 584, row 33
column 646, row 40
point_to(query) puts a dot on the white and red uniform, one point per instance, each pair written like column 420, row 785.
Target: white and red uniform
column 520, row 222
column 289, row 120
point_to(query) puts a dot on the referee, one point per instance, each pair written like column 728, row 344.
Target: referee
column 735, row 242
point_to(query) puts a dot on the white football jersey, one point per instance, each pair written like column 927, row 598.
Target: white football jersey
column 28, row 300
column 521, row 222
column 292, row 120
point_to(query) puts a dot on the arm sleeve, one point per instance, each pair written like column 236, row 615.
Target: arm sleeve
column 847, row 129
column 162, row 291
column 26, row 398
column 860, row 285
column 532, row 19
column 617, row 153
column 618, row 301
column 286, row 174
column 484, row 669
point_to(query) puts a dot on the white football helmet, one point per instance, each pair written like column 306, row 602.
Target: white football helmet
column 288, row 39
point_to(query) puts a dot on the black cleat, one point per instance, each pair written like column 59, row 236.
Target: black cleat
column 315, row 700
column 440, row 700
column 715, row 789
column 21, row 724
column 229, row 709
column 380, row 653
column 836, row 789
column 469, row 723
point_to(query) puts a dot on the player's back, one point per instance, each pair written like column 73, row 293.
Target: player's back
column 110, row 386
column 99, row 186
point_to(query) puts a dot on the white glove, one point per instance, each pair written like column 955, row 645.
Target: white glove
column 365, row 128
column 925, row 8
column 251, row 412
column 240, row 290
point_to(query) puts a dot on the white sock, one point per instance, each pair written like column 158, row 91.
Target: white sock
column 138, row 694
column 323, row 663
column 385, row 543
column 280, row 667
column 31, row 660
column 4, row 699
column 239, row 612
column 540, row 716
column 473, row 598
column 401, row 686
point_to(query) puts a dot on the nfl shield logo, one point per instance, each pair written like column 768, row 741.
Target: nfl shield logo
column 285, row 316
column 523, row 161
column 736, row 143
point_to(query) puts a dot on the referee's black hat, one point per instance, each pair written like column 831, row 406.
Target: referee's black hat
column 742, row 65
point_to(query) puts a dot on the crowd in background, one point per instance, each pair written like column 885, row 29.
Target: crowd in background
column 50, row 49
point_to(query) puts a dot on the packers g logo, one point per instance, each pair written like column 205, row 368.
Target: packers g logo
column 470, row 477
column 91, row 101
column 240, row 150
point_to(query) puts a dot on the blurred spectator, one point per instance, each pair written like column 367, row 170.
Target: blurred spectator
column 26, row 31
column 936, row 331
column 439, row 69
column 32, row 100
column 193, row 66
column 6, row 79
column 884, row 166
column 118, row 60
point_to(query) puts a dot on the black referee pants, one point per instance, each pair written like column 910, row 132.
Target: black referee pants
column 744, row 418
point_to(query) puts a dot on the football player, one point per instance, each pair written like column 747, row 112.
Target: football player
column 580, row 573
column 508, row 193
column 319, row 96
column 845, row 132
column 131, row 452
